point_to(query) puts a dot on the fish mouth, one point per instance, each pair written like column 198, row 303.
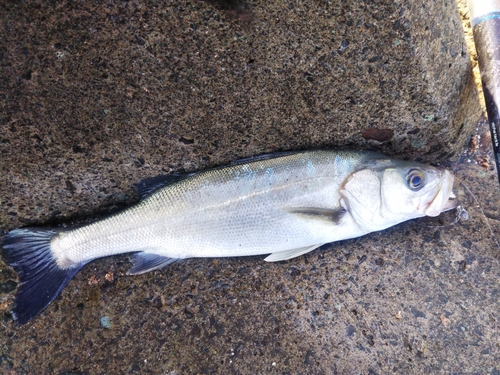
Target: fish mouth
column 444, row 200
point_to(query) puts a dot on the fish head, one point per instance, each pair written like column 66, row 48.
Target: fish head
column 388, row 192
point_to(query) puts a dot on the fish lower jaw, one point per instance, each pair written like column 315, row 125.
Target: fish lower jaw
column 439, row 204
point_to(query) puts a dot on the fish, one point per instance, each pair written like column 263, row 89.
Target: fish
column 285, row 205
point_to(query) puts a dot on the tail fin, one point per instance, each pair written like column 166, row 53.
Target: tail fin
column 40, row 278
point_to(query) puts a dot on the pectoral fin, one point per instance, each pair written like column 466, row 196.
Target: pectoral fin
column 289, row 254
column 333, row 215
column 145, row 262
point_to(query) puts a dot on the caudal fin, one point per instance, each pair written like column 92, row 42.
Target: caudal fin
column 40, row 278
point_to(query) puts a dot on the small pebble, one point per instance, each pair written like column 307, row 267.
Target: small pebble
column 105, row 322
column 445, row 321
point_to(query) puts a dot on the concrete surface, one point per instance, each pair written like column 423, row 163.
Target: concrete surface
column 95, row 97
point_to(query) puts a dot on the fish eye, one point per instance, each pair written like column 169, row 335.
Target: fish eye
column 415, row 179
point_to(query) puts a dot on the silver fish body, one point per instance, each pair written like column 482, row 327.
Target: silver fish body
column 285, row 206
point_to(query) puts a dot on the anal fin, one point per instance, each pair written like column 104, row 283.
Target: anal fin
column 289, row 254
column 145, row 262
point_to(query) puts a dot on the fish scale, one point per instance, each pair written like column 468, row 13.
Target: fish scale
column 214, row 213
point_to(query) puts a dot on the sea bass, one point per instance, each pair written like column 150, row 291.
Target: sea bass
column 285, row 205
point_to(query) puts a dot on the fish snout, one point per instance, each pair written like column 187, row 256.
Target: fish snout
column 444, row 199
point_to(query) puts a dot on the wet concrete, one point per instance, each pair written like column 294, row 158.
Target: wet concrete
column 95, row 98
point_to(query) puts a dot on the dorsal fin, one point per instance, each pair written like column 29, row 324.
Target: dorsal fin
column 149, row 185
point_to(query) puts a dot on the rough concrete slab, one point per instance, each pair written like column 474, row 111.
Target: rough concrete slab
column 96, row 96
